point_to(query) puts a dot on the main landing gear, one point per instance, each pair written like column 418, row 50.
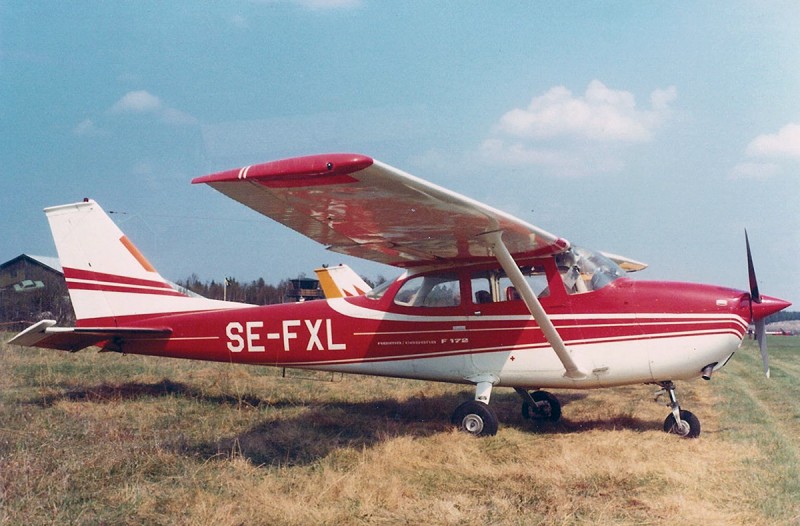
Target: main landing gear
column 477, row 418
column 539, row 405
column 680, row 422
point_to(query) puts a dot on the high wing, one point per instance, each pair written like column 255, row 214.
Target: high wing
column 362, row 207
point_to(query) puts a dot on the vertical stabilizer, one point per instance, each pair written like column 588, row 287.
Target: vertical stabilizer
column 341, row 282
column 107, row 277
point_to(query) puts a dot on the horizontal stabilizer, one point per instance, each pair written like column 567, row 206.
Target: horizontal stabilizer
column 44, row 334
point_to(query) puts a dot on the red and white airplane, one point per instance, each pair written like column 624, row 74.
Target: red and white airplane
column 484, row 298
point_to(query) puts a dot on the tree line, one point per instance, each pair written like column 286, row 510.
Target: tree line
column 256, row 292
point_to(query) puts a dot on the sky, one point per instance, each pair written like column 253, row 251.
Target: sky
column 656, row 130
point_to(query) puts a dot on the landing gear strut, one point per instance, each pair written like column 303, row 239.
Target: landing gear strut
column 539, row 405
column 680, row 422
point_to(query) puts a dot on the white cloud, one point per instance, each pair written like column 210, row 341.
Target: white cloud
column 137, row 102
column 601, row 114
column 144, row 102
column 785, row 143
column 576, row 135
column 772, row 151
column 87, row 128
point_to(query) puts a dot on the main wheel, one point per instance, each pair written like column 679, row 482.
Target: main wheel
column 476, row 418
column 547, row 407
column 689, row 426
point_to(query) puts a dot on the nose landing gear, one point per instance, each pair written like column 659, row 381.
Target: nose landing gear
column 680, row 422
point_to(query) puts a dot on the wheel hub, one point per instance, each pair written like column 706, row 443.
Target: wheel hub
column 473, row 424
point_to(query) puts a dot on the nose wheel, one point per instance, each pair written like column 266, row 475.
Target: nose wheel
column 680, row 422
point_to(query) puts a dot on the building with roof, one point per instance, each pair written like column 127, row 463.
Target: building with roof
column 303, row 289
column 33, row 288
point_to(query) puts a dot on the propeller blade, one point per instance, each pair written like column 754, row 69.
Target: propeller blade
column 751, row 273
column 761, row 336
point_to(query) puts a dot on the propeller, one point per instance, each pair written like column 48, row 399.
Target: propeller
column 755, row 297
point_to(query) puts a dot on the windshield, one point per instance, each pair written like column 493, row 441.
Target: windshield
column 584, row 270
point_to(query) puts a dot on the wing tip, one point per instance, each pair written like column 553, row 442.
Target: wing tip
column 330, row 164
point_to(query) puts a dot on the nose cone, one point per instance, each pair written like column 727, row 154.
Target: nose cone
column 768, row 305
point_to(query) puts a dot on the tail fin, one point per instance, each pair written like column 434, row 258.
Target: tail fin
column 341, row 282
column 107, row 277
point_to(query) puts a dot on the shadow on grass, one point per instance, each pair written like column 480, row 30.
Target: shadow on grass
column 510, row 415
column 107, row 393
column 316, row 430
column 615, row 423
column 323, row 429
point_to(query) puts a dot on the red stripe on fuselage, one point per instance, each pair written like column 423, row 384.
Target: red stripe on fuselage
column 203, row 335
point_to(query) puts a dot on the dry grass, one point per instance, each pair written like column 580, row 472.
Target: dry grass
column 108, row 439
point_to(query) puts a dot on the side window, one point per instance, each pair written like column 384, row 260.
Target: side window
column 495, row 286
column 481, row 287
column 536, row 278
column 439, row 290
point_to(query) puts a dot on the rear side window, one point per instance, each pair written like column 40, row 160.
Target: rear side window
column 439, row 290
column 494, row 286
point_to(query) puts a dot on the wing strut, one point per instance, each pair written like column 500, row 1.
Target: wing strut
column 495, row 243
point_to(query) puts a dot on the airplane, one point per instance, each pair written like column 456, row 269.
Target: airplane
column 340, row 281
column 484, row 298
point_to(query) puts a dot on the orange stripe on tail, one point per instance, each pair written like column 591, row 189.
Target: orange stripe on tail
column 136, row 254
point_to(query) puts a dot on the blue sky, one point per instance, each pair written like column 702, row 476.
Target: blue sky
column 651, row 129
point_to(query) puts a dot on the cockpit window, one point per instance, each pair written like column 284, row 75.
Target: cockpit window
column 584, row 270
column 437, row 290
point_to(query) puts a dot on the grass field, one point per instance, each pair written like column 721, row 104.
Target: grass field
column 93, row 438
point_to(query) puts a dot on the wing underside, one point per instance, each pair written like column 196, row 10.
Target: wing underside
column 361, row 207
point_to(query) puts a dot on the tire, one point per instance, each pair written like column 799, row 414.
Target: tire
column 475, row 418
column 547, row 407
column 688, row 418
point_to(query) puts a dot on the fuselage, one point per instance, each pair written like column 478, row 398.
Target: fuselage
column 625, row 331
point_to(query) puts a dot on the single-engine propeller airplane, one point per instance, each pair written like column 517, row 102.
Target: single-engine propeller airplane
column 485, row 298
